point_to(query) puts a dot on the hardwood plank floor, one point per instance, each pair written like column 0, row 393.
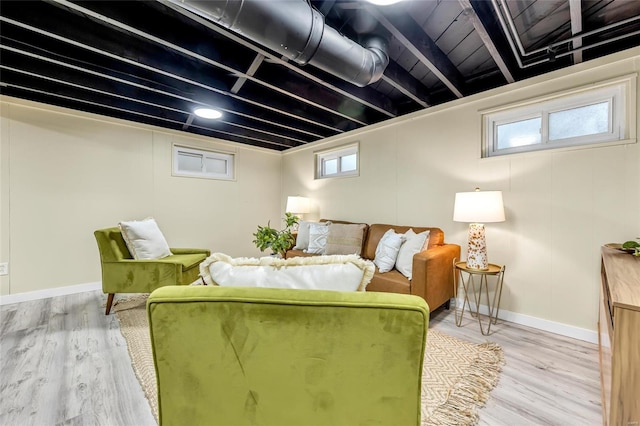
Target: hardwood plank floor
column 547, row 379
column 63, row 362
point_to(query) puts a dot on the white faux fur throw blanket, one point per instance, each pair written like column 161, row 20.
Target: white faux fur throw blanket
column 331, row 272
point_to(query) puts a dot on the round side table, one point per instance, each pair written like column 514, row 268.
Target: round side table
column 467, row 277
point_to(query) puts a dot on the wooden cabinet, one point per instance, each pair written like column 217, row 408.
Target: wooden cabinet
column 619, row 337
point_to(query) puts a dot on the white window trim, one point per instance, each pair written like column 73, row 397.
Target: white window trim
column 229, row 157
column 336, row 153
column 620, row 92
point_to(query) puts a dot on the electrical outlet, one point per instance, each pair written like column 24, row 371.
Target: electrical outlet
column 4, row 268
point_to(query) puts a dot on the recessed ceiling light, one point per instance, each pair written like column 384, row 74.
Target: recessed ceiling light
column 383, row 2
column 207, row 113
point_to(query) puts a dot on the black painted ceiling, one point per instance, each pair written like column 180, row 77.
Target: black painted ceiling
column 153, row 61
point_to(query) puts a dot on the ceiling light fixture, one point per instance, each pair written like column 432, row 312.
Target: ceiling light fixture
column 383, row 2
column 207, row 113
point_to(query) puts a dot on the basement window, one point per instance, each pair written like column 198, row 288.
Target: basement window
column 581, row 117
column 338, row 162
column 192, row 162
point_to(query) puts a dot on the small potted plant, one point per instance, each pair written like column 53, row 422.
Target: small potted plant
column 632, row 245
column 278, row 241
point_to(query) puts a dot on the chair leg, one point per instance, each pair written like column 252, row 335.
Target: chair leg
column 109, row 303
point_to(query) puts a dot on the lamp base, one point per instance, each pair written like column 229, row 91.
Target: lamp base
column 477, row 248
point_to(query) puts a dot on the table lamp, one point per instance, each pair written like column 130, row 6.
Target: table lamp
column 478, row 207
column 297, row 205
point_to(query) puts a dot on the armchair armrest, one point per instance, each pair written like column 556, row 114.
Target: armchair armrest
column 190, row 251
column 139, row 276
column 433, row 274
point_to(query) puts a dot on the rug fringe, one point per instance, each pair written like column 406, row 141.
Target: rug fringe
column 463, row 399
column 129, row 302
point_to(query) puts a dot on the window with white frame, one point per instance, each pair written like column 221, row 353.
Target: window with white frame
column 342, row 161
column 581, row 117
column 192, row 162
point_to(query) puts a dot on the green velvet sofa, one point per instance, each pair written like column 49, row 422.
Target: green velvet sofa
column 279, row 357
column 123, row 274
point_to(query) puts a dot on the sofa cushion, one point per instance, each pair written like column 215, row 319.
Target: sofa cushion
column 341, row 273
column 392, row 282
column 144, row 239
column 414, row 243
column 318, row 233
column 345, row 238
column 387, row 250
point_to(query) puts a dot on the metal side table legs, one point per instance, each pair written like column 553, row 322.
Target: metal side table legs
column 468, row 282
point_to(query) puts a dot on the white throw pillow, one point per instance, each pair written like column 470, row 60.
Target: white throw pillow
column 318, row 233
column 302, row 240
column 414, row 243
column 144, row 239
column 387, row 250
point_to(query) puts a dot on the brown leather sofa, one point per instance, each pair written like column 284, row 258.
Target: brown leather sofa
column 432, row 268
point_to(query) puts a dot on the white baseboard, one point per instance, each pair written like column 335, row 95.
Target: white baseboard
column 574, row 332
column 50, row 292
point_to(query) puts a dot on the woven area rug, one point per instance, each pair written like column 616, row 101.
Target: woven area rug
column 456, row 380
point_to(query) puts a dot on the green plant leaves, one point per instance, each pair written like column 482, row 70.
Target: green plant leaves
column 279, row 241
column 632, row 245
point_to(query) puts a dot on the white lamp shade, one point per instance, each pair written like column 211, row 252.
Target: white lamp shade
column 478, row 207
column 299, row 205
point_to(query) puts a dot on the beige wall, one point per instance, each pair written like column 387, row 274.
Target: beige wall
column 65, row 174
column 561, row 205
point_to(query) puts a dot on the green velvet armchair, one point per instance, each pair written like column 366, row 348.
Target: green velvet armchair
column 123, row 274
column 279, row 357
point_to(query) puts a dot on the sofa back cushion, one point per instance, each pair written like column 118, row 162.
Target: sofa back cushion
column 365, row 229
column 345, row 238
column 377, row 230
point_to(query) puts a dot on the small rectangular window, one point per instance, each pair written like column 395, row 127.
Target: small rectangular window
column 348, row 163
column 583, row 116
column 188, row 162
column 191, row 162
column 593, row 119
column 330, row 167
column 519, row 133
column 342, row 161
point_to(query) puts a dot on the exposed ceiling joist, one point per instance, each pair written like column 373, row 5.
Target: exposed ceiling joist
column 364, row 95
column 159, row 71
column 469, row 13
column 402, row 81
column 153, row 61
column 327, row 107
column 408, row 32
column 251, row 71
column 575, row 9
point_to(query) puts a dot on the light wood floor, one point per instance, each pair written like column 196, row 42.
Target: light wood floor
column 63, row 362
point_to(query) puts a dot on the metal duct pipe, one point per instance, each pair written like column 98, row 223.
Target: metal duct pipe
column 297, row 31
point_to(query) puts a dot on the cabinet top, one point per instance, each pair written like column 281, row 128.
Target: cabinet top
column 623, row 276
